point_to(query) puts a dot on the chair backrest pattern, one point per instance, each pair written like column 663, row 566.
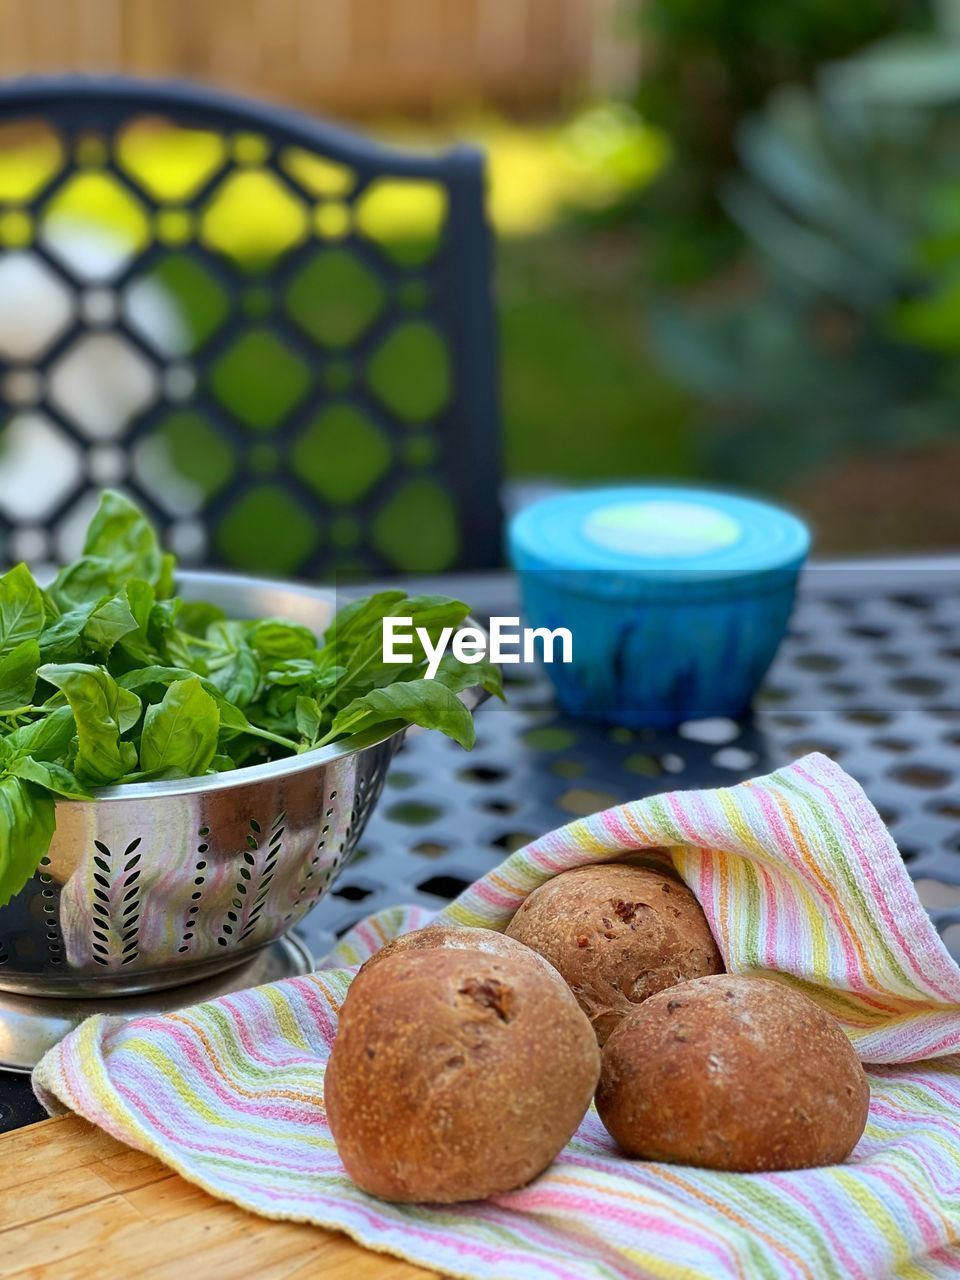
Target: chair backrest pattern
column 275, row 334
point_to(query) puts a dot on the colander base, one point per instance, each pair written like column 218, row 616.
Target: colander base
column 30, row 1025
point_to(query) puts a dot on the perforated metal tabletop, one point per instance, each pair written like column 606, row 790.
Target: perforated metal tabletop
column 870, row 675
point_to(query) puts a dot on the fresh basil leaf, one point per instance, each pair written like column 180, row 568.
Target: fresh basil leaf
column 277, row 711
column 237, row 677
column 309, row 718
column 233, row 721
column 102, row 711
column 230, row 633
column 62, row 640
column 273, row 638
column 196, row 617
column 431, row 614
column 364, row 666
column 141, row 598
column 457, row 675
column 18, row 675
column 181, row 732
column 165, row 614
column 355, row 620
column 137, row 646
column 44, row 739
column 51, row 610
column 50, row 776
column 143, row 677
column 108, row 623
column 244, row 750
column 233, row 666
column 423, row 702
column 305, row 673
column 435, row 611
column 121, row 544
column 27, row 824
column 165, row 579
column 83, row 582
column 121, row 534
column 180, row 649
column 22, row 613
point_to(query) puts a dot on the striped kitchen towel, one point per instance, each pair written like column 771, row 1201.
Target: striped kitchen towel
column 797, row 875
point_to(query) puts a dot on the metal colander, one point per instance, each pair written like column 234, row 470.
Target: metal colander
column 153, row 885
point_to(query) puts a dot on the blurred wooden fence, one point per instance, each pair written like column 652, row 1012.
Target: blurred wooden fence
column 348, row 57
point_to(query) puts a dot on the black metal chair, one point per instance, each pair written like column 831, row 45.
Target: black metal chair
column 276, row 335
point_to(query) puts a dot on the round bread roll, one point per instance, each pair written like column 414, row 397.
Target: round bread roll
column 458, row 939
column 456, row 1074
column 617, row 934
column 741, row 1074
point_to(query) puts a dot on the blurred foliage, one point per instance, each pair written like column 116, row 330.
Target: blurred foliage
column 583, row 396
column 841, row 332
column 707, row 63
column 541, row 173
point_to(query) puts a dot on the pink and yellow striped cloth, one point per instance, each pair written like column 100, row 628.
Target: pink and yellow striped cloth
column 797, row 875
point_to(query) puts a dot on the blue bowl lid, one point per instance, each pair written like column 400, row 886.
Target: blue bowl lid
column 666, row 532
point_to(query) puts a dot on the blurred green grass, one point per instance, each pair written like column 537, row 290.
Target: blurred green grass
column 582, row 396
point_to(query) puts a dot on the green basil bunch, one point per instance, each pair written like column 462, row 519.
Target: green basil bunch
column 107, row 677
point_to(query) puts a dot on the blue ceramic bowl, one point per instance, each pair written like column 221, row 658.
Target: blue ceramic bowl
column 676, row 599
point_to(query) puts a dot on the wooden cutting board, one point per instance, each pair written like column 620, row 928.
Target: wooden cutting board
column 77, row 1205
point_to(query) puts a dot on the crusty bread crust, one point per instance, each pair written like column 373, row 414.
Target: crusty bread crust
column 458, row 939
column 617, row 934
column 735, row 1073
column 456, row 1074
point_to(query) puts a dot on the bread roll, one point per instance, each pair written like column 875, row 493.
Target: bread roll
column 458, row 939
column 456, row 1074
column 617, row 934
column 741, row 1074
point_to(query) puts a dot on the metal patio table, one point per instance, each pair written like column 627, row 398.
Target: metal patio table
column 869, row 675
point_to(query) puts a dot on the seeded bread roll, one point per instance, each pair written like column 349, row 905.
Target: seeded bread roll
column 740, row 1074
column 456, row 1074
column 617, row 934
